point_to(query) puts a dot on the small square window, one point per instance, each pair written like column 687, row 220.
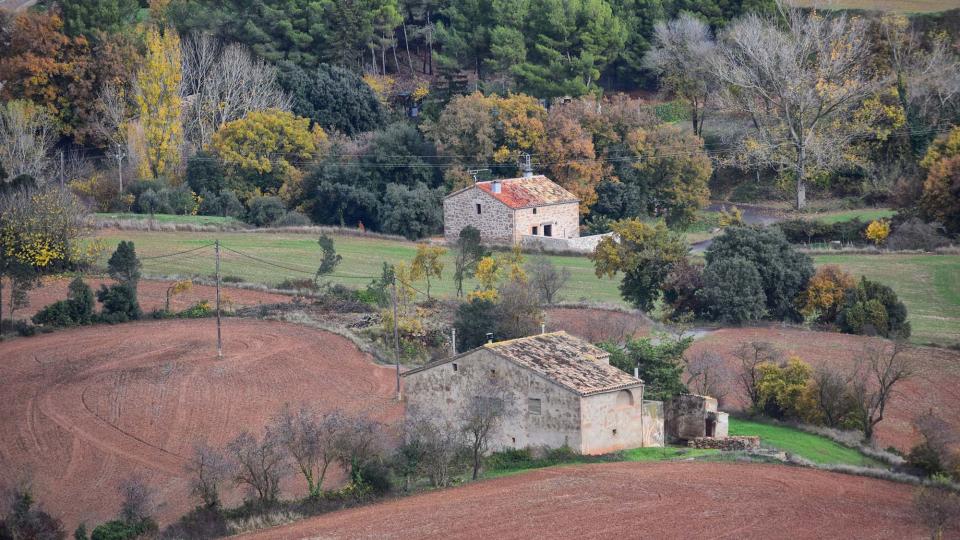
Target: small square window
column 534, row 211
column 533, row 405
column 534, row 230
column 479, row 211
column 514, row 439
column 614, row 432
column 493, row 372
column 454, row 366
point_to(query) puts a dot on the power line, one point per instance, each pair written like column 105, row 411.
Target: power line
column 165, row 255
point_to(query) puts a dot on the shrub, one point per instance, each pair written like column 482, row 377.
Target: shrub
column 122, row 530
column 680, row 288
column 292, row 219
column 732, row 291
column 262, row 211
column 783, row 271
column 872, row 308
column 25, row 329
column 182, row 201
column 878, row 231
column 798, row 231
column 938, row 506
column 199, row 310
column 119, row 303
column 915, row 234
column 783, row 389
column 77, row 309
column 150, row 203
column 825, row 294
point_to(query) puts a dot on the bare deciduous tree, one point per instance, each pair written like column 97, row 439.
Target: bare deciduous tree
column 311, row 440
column 938, row 507
column 358, row 440
column 27, row 133
column 481, row 415
column 708, row 374
column 750, row 357
column 682, row 53
column 222, row 83
column 800, row 79
column 878, row 370
column 137, row 503
column 260, row 465
column 432, row 447
column 208, row 469
column 547, row 280
column 834, row 402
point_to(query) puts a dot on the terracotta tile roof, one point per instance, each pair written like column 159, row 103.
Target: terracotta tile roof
column 526, row 192
column 565, row 360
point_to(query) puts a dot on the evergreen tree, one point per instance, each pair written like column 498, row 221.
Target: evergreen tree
column 124, row 266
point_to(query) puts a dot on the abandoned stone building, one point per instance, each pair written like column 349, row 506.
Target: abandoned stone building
column 688, row 417
column 507, row 210
column 556, row 390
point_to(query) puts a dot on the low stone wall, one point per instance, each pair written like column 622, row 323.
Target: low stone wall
column 580, row 244
column 727, row 444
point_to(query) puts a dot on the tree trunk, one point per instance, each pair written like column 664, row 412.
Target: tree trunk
column 801, row 180
column 1, row 308
column 406, row 44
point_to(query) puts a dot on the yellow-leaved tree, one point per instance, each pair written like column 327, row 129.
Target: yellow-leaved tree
column 878, row 230
column 159, row 104
column 427, row 263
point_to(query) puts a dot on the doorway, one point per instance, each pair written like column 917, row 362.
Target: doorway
column 548, row 230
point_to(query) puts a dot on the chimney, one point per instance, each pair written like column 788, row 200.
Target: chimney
column 496, row 186
column 526, row 165
column 489, row 337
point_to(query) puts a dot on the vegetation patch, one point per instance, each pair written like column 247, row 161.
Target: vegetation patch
column 817, row 449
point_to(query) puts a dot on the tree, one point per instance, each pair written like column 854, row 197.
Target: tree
column 660, row 366
column 432, row 446
column 24, row 521
column 708, row 374
column 264, row 211
column 546, row 279
column 800, row 79
column 136, row 500
column 682, row 52
column 119, row 303
column 570, row 157
column 427, row 264
column 224, row 83
column 941, row 189
column 783, row 389
column 680, row 289
column 89, row 18
column 872, row 308
column 518, row 310
column 260, row 465
column 329, row 258
column 481, row 415
column 643, row 253
column 938, row 506
column 468, row 252
column 732, row 291
column 124, row 266
column 784, row 272
column 205, row 173
column 751, row 357
column 831, row 394
column 27, row 133
column 465, row 129
column 879, row 369
column 159, row 104
column 878, row 230
column 413, row 212
column 333, row 97
column 474, row 321
column 825, row 294
column 208, row 470
column 311, row 441
column 261, row 150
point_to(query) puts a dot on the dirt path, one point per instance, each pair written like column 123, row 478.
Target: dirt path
column 933, row 387
column 633, row 500
column 86, row 408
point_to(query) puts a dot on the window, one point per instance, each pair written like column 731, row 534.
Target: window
column 533, row 405
column 548, row 230
column 534, row 229
column 479, row 211
column 454, row 366
column 534, row 211
column 493, row 373
column 614, row 432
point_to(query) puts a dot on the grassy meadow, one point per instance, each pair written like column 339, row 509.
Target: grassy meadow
column 928, row 284
column 817, row 449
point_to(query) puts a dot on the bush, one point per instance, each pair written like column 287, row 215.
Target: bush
column 799, row 231
column 119, row 303
column 201, row 523
column 181, row 200
column 197, row 311
column 292, row 219
column 732, row 291
column 149, row 202
column 121, row 530
column 262, row 211
column 783, row 390
column 783, row 271
column 872, row 308
column 680, row 289
column 77, row 309
column 25, row 329
column 915, row 234
column 825, row 294
column 204, row 173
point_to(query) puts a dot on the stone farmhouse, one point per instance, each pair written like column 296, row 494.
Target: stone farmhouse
column 558, row 390
column 507, row 210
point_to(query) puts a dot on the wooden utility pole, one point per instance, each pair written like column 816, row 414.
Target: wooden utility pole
column 396, row 334
column 216, row 245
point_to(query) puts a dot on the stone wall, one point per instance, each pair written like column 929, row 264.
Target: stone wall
column 441, row 390
column 613, row 421
column 686, row 415
column 727, row 444
column 581, row 244
column 564, row 219
column 653, row 423
column 495, row 221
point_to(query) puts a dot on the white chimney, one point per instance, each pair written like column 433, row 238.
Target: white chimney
column 496, row 186
column 526, row 165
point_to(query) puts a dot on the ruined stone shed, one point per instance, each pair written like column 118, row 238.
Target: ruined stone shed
column 689, row 416
column 506, row 210
column 560, row 391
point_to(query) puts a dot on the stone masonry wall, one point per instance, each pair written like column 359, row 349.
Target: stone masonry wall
column 581, row 244
column 613, row 421
column 727, row 444
column 495, row 222
column 565, row 219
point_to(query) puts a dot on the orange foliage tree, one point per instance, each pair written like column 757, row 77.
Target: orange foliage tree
column 825, row 293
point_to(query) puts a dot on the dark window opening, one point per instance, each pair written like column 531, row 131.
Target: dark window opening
column 614, row 432
column 454, row 367
column 533, row 230
column 548, row 230
column 710, row 429
column 534, row 210
column 478, row 209
column 514, row 439
column 533, row 405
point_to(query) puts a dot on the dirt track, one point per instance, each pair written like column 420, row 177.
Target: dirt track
column 934, row 386
column 633, row 500
column 151, row 294
column 85, row 408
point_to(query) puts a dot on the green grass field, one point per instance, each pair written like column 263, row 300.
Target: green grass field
column 813, row 447
column 863, row 214
column 170, row 218
column 928, row 284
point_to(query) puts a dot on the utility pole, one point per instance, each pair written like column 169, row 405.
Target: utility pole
column 120, row 154
column 61, row 169
column 396, row 334
column 216, row 248
column 453, row 341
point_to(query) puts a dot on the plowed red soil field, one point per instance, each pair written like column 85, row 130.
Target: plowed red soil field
column 634, row 500
column 935, row 385
column 151, row 294
column 85, row 408
column 596, row 325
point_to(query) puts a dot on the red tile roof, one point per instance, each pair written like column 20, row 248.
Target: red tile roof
column 528, row 191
